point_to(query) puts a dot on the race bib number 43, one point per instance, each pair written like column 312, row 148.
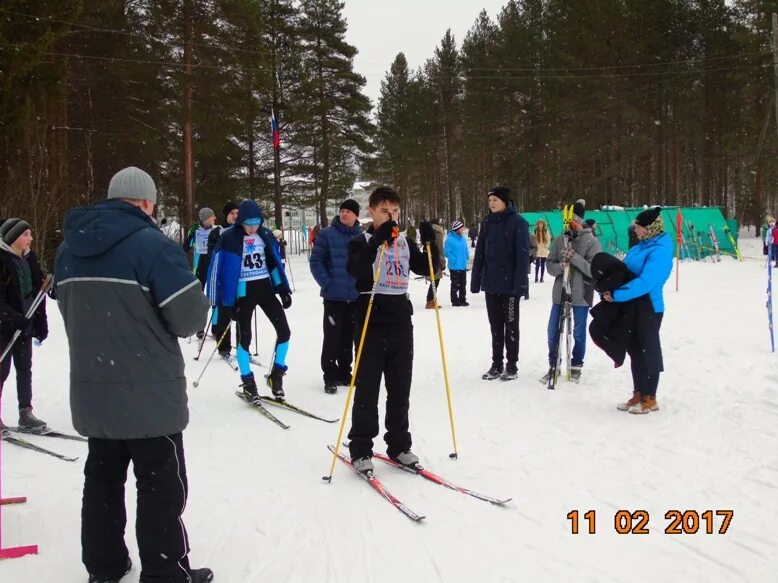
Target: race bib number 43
column 254, row 265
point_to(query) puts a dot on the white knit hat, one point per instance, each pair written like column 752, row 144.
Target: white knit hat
column 132, row 183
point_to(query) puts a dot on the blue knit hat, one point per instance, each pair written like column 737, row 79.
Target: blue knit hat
column 249, row 213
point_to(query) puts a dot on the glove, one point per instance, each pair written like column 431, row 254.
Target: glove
column 567, row 254
column 426, row 232
column 286, row 300
column 386, row 233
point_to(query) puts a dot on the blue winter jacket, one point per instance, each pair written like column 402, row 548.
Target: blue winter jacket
column 501, row 261
column 652, row 261
column 126, row 294
column 329, row 259
column 223, row 286
column 457, row 252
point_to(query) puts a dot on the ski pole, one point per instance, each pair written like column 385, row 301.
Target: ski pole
column 215, row 348
column 351, row 384
column 205, row 334
column 30, row 313
column 455, row 454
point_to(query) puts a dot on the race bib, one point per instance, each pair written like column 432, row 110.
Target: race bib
column 201, row 241
column 394, row 270
column 254, row 265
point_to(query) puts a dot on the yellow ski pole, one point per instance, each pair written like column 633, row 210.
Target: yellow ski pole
column 328, row 478
column 454, row 455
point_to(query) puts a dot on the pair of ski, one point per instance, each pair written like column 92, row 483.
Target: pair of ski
column 18, row 441
column 276, row 402
column 417, row 469
column 565, row 322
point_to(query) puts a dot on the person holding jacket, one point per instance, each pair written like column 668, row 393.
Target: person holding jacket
column 500, row 270
column 246, row 273
column 127, row 294
column 651, row 260
column 457, row 255
column 575, row 250
column 329, row 262
column 20, row 279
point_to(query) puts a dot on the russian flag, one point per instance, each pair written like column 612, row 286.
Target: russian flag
column 274, row 129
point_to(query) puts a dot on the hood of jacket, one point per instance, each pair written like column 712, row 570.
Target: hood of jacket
column 93, row 230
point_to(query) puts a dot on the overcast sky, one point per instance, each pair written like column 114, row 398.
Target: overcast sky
column 382, row 28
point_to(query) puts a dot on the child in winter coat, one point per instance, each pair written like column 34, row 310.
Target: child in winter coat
column 246, row 273
column 457, row 255
column 388, row 344
column 20, row 279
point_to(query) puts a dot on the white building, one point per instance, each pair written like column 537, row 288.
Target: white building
column 298, row 217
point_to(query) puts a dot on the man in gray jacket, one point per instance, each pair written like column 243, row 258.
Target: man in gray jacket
column 575, row 249
column 126, row 294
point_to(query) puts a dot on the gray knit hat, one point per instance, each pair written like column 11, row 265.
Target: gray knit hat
column 12, row 229
column 132, row 183
column 205, row 214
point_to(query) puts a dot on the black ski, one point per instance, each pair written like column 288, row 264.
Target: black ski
column 286, row 405
column 46, row 432
column 261, row 408
column 380, row 488
column 31, row 446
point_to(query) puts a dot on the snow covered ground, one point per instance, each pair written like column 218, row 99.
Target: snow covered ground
column 258, row 510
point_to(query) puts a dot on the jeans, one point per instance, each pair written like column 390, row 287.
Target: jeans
column 580, row 315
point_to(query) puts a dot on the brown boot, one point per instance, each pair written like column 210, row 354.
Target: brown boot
column 631, row 403
column 646, row 405
column 430, row 305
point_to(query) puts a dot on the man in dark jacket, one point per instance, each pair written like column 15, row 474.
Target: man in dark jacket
column 329, row 260
column 127, row 294
column 500, row 271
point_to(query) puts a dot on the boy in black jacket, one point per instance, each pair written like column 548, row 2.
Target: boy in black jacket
column 388, row 348
column 20, row 279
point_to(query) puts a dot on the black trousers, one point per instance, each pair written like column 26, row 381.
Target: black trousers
column 218, row 329
column 260, row 294
column 458, row 286
column 503, row 312
column 337, row 351
column 21, row 354
column 540, row 266
column 388, row 352
column 645, row 378
column 431, row 291
column 160, row 473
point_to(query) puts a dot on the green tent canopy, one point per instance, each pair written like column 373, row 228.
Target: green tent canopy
column 697, row 224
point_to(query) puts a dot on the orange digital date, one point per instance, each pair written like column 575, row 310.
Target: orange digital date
column 636, row 521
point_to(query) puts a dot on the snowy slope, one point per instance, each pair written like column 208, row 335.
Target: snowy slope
column 258, row 510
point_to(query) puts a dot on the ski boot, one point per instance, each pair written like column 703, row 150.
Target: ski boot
column 250, row 388
column 510, row 373
column 493, row 372
column 330, row 387
column 29, row 422
column 407, row 459
column 111, row 579
column 4, row 431
column 275, row 380
column 363, row 465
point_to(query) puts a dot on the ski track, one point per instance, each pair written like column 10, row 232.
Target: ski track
column 258, row 510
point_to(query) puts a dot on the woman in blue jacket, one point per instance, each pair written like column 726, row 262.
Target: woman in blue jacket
column 457, row 254
column 652, row 261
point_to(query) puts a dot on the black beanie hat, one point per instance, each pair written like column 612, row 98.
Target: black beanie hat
column 579, row 209
column 350, row 205
column 501, row 192
column 590, row 222
column 12, row 229
column 228, row 208
column 648, row 216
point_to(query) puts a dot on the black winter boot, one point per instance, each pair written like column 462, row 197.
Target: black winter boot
column 275, row 380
